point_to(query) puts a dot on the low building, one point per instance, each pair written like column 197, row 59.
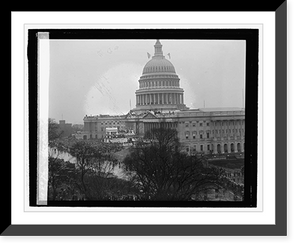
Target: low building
column 65, row 128
column 95, row 127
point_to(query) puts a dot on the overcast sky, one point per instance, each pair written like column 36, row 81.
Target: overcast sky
column 91, row 77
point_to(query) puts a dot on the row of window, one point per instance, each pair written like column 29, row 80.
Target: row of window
column 159, row 76
column 224, row 131
column 201, row 135
column 105, row 123
column 225, row 123
column 194, row 124
column 219, row 148
column 109, row 123
column 194, row 148
column 194, row 134
column 201, row 124
column 158, row 83
column 159, row 68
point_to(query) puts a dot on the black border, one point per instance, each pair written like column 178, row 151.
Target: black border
column 280, row 228
column 251, row 38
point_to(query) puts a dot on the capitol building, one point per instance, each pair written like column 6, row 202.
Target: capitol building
column 160, row 103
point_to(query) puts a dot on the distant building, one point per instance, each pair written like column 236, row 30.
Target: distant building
column 160, row 103
column 95, row 127
column 65, row 128
column 235, row 175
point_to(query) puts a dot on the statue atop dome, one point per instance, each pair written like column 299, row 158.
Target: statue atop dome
column 158, row 49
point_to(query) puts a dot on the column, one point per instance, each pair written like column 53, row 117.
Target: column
column 222, row 148
column 215, row 148
column 234, row 127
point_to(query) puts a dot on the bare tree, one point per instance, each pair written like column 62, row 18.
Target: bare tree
column 163, row 172
column 55, row 164
column 93, row 159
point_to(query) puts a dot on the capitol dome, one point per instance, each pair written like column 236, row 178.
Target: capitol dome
column 158, row 65
column 159, row 87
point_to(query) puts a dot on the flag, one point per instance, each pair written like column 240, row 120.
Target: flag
column 149, row 55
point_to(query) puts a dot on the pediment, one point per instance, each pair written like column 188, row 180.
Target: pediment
column 149, row 115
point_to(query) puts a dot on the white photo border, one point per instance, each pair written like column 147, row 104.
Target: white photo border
column 43, row 20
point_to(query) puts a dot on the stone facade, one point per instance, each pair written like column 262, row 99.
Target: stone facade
column 160, row 102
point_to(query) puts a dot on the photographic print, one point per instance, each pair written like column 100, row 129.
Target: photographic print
column 147, row 122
